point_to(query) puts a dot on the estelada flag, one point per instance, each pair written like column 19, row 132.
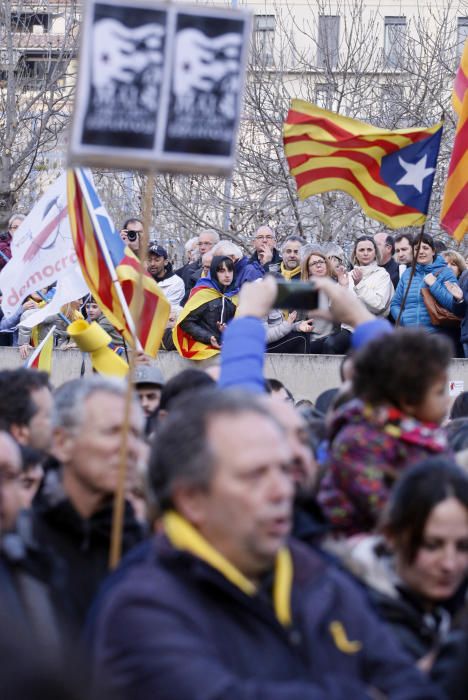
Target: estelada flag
column 454, row 213
column 389, row 173
column 41, row 358
column 104, row 259
column 187, row 346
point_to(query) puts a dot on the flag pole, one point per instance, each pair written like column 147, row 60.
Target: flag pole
column 109, row 263
column 115, row 551
column 417, row 247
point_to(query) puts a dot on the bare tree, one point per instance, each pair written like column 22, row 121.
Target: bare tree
column 37, row 48
column 403, row 82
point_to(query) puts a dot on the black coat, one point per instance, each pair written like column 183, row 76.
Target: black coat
column 201, row 323
column 81, row 546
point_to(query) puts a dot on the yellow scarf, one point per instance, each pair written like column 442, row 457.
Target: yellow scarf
column 289, row 274
column 183, row 535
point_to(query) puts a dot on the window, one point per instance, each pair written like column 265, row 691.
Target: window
column 264, row 35
column 325, row 95
column 30, row 22
column 328, row 41
column 462, row 34
column 394, row 41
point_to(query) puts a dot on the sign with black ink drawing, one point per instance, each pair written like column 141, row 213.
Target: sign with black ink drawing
column 159, row 85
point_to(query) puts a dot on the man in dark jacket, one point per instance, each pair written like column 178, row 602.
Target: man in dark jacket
column 72, row 514
column 222, row 607
column 386, row 246
column 266, row 253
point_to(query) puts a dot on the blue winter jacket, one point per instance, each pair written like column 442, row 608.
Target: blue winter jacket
column 246, row 270
column 415, row 312
column 174, row 628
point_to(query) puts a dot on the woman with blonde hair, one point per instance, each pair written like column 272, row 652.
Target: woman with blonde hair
column 370, row 282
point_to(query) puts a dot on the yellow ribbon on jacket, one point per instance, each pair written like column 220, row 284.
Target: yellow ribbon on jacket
column 93, row 339
column 183, row 535
column 289, row 274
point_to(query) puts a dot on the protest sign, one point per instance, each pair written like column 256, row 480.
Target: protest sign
column 42, row 249
column 160, row 86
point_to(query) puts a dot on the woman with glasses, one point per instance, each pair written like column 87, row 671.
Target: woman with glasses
column 315, row 264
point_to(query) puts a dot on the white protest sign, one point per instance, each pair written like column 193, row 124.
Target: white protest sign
column 160, row 84
column 42, row 249
column 70, row 287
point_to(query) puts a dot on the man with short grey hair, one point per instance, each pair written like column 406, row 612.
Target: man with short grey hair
column 265, row 252
column 72, row 513
column 291, row 253
column 206, row 240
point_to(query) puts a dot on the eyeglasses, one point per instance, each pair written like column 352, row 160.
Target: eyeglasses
column 335, row 257
column 314, row 263
column 265, row 238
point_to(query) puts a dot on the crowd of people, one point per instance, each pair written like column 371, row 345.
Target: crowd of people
column 270, row 548
column 432, row 293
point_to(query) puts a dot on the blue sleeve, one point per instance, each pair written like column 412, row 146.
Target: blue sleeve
column 369, row 330
column 7, row 323
column 242, row 353
column 439, row 291
column 253, row 272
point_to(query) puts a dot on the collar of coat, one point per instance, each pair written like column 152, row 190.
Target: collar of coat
column 184, row 536
column 289, row 274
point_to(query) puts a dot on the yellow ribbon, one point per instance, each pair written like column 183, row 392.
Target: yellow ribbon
column 184, row 536
column 93, row 339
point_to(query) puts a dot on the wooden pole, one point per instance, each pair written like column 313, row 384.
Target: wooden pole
column 115, row 552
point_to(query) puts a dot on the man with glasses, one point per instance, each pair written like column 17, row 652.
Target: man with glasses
column 266, row 254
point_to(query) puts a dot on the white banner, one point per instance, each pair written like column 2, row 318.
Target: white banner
column 42, row 249
column 69, row 288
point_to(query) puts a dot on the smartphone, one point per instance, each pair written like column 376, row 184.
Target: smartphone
column 296, row 295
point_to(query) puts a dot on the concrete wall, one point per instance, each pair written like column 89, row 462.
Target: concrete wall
column 305, row 376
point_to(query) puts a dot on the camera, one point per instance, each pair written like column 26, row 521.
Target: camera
column 132, row 236
column 296, row 295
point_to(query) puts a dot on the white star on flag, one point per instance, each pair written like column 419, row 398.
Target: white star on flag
column 415, row 173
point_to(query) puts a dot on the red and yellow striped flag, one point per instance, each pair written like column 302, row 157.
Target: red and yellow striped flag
column 454, row 214
column 111, row 270
column 41, row 358
column 389, row 173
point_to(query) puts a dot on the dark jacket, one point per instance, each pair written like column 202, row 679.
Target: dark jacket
column 202, row 322
column 393, row 269
column 246, row 270
column 174, row 628
column 273, row 266
column 5, row 248
column 190, row 275
column 418, row 630
column 80, row 545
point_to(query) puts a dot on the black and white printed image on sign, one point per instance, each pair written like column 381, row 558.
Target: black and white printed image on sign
column 126, row 72
column 206, row 80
